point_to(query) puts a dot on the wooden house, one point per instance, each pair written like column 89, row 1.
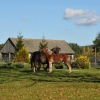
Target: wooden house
column 8, row 50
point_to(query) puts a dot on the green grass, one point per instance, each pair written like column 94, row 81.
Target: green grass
column 22, row 84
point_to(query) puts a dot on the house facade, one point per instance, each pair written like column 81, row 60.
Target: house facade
column 32, row 45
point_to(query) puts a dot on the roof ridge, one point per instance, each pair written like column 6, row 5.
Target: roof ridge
column 36, row 39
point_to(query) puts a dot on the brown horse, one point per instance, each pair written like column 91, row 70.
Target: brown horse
column 56, row 58
column 39, row 57
column 56, row 50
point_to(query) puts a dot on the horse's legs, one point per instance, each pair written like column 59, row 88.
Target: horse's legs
column 69, row 66
column 67, row 62
column 32, row 65
column 34, row 70
column 50, row 67
column 45, row 68
column 39, row 66
column 35, row 66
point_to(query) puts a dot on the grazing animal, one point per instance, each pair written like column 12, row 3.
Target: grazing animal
column 39, row 57
column 56, row 58
column 56, row 50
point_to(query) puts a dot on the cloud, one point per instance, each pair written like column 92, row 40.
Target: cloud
column 24, row 19
column 81, row 17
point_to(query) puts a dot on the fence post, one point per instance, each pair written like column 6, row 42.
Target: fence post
column 95, row 58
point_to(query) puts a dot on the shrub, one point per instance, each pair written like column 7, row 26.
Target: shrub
column 22, row 56
column 7, row 65
column 75, row 64
column 19, row 65
column 58, row 66
column 83, row 62
column 2, row 63
column 11, row 65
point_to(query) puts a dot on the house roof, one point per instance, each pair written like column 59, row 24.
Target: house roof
column 33, row 44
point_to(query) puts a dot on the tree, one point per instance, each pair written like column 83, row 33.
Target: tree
column 96, row 42
column 22, row 55
column 21, row 52
column 76, row 48
column 43, row 44
column 19, row 43
column 1, row 45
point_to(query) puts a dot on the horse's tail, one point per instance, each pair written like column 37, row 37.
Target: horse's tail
column 31, row 61
column 69, row 59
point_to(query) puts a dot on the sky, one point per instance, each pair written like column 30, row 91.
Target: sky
column 75, row 21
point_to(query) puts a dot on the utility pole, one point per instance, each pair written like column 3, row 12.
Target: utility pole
column 95, row 58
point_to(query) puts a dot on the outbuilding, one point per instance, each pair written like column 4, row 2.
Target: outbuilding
column 32, row 45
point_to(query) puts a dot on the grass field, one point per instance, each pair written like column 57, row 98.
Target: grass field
column 22, row 84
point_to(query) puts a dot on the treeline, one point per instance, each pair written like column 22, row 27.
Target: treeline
column 88, row 50
column 82, row 50
column 1, row 45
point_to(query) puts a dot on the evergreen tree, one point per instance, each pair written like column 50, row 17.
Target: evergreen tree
column 21, row 52
column 96, row 43
column 1, row 45
column 77, row 49
column 43, row 44
column 22, row 55
column 19, row 43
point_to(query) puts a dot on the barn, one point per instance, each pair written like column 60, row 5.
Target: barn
column 8, row 50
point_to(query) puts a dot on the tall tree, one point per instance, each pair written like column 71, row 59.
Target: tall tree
column 96, row 43
column 1, row 45
column 19, row 43
column 21, row 52
column 43, row 44
column 77, row 49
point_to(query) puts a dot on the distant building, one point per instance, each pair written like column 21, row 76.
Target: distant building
column 8, row 50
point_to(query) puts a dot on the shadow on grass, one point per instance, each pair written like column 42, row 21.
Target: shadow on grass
column 64, row 76
column 68, row 78
column 7, row 76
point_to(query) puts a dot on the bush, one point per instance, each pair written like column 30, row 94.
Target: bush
column 75, row 64
column 2, row 63
column 58, row 66
column 19, row 65
column 22, row 56
column 11, row 65
column 83, row 62
column 6, row 65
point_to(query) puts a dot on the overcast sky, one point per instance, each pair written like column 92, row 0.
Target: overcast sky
column 75, row 21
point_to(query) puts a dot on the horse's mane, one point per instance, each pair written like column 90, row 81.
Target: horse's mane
column 47, row 51
column 56, row 50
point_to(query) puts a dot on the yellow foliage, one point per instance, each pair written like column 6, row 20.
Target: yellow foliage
column 83, row 61
column 22, row 56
